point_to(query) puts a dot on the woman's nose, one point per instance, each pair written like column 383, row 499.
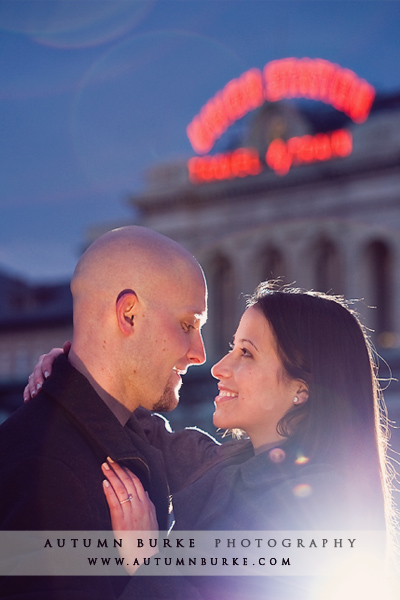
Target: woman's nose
column 221, row 368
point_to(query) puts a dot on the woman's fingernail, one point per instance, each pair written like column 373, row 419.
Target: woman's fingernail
column 105, row 483
column 110, row 459
column 38, row 386
column 46, row 374
column 33, row 393
column 105, row 466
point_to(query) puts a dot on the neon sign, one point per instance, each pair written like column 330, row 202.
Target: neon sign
column 315, row 79
column 307, row 149
column 280, row 157
column 240, row 163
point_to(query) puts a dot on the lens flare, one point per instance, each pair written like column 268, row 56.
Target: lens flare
column 277, row 455
column 74, row 24
column 302, row 490
column 365, row 577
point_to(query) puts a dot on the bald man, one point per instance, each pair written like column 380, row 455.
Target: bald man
column 139, row 302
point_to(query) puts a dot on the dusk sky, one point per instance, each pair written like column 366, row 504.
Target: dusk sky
column 94, row 92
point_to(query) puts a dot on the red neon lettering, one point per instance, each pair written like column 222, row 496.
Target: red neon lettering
column 276, row 79
column 243, row 94
column 290, row 78
column 222, row 169
column 253, row 88
column 197, row 169
column 320, row 80
column 234, row 100
column 252, row 161
column 340, row 88
column 287, row 78
column 307, row 84
column 325, row 72
column 271, row 91
column 361, row 102
column 199, row 137
column 311, row 74
column 341, row 143
column 306, row 150
column 322, row 147
column 213, row 113
column 280, row 155
column 240, row 163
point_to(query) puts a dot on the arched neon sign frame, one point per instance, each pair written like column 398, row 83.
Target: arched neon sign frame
column 315, row 79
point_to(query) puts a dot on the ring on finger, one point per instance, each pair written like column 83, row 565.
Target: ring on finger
column 128, row 499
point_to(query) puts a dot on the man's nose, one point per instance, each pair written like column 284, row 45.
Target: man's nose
column 197, row 352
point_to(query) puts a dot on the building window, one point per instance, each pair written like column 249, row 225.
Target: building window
column 327, row 273
column 379, row 262
column 222, row 304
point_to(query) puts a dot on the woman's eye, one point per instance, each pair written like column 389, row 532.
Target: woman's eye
column 245, row 352
column 230, row 344
column 186, row 327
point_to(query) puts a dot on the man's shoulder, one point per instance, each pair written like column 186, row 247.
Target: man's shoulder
column 35, row 426
column 30, row 417
column 49, row 471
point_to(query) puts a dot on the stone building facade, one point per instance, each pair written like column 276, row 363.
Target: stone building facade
column 33, row 319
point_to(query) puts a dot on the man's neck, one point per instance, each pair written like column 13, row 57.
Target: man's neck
column 120, row 411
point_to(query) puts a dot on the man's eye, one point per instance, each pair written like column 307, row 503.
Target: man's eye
column 186, row 327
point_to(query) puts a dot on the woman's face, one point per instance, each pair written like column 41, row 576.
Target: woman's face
column 254, row 390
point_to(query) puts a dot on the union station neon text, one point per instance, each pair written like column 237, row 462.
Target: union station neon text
column 280, row 157
column 315, row 79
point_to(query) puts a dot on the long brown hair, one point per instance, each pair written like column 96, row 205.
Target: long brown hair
column 321, row 341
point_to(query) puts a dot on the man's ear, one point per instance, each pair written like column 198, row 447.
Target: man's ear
column 126, row 309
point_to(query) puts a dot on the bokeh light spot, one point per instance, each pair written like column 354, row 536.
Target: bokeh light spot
column 277, row 455
column 302, row 490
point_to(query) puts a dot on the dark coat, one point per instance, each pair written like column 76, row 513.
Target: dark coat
column 50, row 477
column 256, row 493
column 253, row 492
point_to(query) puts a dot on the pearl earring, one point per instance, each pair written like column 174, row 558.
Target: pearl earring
column 295, row 400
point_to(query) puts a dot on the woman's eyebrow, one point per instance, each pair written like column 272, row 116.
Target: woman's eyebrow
column 248, row 341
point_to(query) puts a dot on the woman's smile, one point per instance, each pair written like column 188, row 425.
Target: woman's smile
column 225, row 395
column 254, row 389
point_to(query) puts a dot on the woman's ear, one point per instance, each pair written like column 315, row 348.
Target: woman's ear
column 302, row 394
column 126, row 308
